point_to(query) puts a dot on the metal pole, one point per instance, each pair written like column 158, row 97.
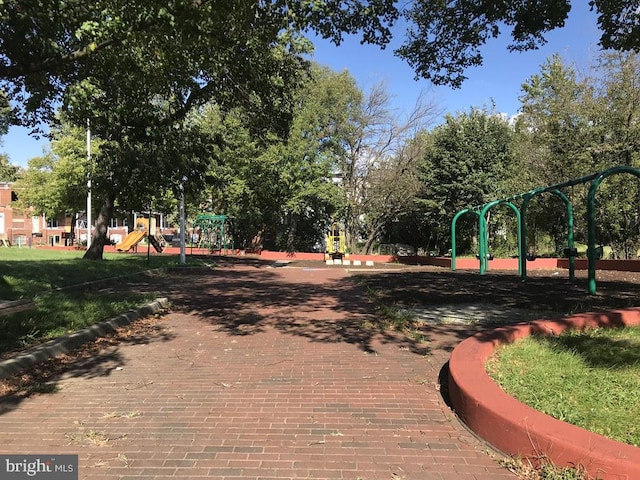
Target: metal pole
column 88, row 184
column 591, row 232
column 518, row 226
column 484, row 236
column 522, row 249
column 569, row 206
column 149, row 238
column 183, row 259
column 453, row 237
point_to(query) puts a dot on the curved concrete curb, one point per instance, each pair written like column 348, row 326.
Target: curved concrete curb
column 15, row 306
column 50, row 349
column 517, row 429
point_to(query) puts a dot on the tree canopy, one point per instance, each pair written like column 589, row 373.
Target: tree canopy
column 142, row 70
column 444, row 38
column 204, row 49
column 8, row 172
column 467, row 162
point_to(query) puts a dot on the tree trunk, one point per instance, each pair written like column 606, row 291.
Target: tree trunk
column 291, row 234
column 372, row 236
column 99, row 237
column 351, row 231
column 72, row 230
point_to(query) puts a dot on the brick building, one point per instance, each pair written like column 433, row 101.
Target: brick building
column 18, row 227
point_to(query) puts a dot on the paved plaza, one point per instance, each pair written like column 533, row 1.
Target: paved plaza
column 257, row 373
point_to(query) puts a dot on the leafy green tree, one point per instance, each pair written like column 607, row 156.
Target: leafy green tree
column 46, row 47
column 219, row 49
column 56, row 184
column 556, row 128
column 466, row 162
column 8, row 172
column 616, row 141
column 307, row 159
column 571, row 127
column 35, row 185
column 553, row 110
column 279, row 191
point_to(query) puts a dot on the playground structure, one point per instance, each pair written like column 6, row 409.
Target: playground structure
column 213, row 232
column 593, row 251
column 142, row 231
column 335, row 242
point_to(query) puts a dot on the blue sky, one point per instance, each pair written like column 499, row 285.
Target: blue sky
column 498, row 80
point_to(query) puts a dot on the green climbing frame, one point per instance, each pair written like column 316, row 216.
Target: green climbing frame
column 214, row 232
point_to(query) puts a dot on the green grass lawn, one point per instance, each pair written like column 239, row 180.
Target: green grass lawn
column 590, row 379
column 28, row 271
column 45, row 275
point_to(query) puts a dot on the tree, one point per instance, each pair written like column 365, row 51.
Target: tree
column 570, row 127
column 36, row 185
column 616, row 141
column 467, row 160
column 391, row 190
column 280, row 191
column 553, row 110
column 56, row 183
column 374, row 142
column 306, row 160
column 8, row 172
column 46, row 48
column 556, row 129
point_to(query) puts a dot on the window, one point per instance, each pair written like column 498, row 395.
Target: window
column 52, row 223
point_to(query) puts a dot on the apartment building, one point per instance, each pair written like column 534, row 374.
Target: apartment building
column 19, row 227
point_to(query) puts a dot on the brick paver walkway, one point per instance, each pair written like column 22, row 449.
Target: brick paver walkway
column 257, row 373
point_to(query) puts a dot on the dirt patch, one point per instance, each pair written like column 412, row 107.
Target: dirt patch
column 544, row 291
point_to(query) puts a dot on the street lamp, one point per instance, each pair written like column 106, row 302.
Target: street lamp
column 88, row 185
column 183, row 259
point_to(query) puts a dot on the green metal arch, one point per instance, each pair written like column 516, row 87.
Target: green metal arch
column 591, row 221
column 526, row 198
column 484, row 236
column 453, row 234
column 595, row 180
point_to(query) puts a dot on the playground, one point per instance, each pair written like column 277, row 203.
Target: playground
column 289, row 369
column 364, row 357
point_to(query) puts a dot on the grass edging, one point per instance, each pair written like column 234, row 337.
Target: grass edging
column 519, row 430
column 64, row 344
column 589, row 378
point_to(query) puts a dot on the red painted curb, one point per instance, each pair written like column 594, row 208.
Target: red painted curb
column 519, row 430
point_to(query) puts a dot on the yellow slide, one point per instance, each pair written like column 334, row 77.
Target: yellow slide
column 131, row 240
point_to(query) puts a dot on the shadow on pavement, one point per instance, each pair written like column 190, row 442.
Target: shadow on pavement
column 95, row 359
